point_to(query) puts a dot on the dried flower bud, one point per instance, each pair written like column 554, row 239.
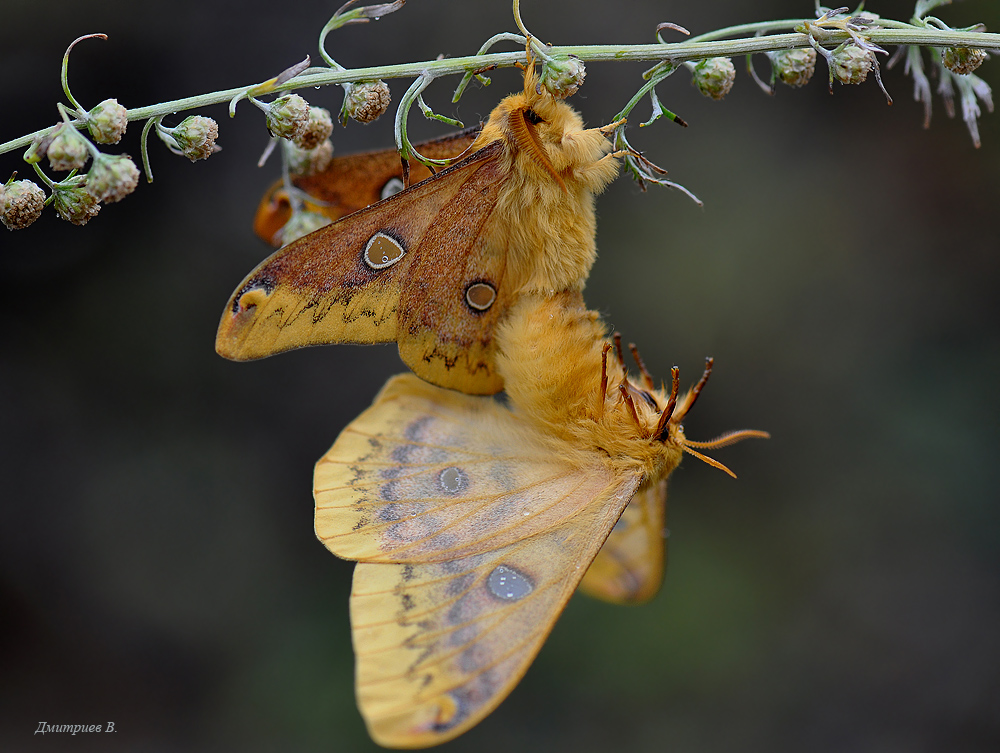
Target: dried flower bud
column 317, row 130
column 287, row 116
column 305, row 162
column 107, row 122
column 299, row 224
column 963, row 60
column 21, row 203
column 112, row 177
column 714, row 77
column 366, row 101
column 794, row 67
column 194, row 137
column 68, row 150
column 563, row 76
column 72, row 202
column 850, row 64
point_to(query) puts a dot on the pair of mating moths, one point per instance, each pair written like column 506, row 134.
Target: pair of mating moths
column 472, row 521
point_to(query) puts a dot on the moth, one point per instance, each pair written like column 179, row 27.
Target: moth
column 353, row 182
column 435, row 266
column 473, row 521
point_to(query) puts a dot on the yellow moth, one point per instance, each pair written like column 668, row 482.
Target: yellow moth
column 473, row 521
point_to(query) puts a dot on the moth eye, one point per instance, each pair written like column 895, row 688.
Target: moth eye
column 392, row 187
column 382, row 251
column 452, row 480
column 480, row 295
column 509, row 584
column 533, row 117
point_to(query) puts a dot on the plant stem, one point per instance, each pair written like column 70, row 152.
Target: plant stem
column 704, row 46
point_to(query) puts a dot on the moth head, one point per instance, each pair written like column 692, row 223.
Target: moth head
column 544, row 131
column 657, row 416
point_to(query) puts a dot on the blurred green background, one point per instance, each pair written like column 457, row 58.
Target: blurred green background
column 158, row 567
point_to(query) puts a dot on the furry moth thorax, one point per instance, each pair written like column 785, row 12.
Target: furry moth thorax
column 567, row 376
column 546, row 220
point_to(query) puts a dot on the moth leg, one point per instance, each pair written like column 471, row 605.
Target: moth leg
column 612, row 126
column 602, row 395
column 647, row 378
column 623, row 389
column 618, row 349
column 693, row 395
column 661, row 426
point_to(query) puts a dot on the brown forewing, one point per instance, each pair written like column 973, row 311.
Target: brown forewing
column 319, row 289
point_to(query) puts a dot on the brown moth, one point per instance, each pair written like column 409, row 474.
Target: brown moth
column 435, row 266
column 353, row 182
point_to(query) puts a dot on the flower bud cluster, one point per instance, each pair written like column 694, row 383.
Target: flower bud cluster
column 21, row 203
column 317, row 129
column 563, row 76
column 68, row 149
column 287, row 116
column 963, row 60
column 365, row 101
column 305, row 162
column 193, row 138
column 850, row 64
column 73, row 202
column 301, row 223
column 107, row 122
column 794, row 68
column 714, row 77
column 112, row 177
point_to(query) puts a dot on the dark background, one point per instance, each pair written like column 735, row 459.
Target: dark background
column 158, row 567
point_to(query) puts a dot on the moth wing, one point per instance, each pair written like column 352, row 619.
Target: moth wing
column 412, row 268
column 629, row 567
column 353, row 182
column 431, row 475
column 439, row 645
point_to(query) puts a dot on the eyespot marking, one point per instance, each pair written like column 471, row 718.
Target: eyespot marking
column 382, row 251
column 452, row 480
column 392, row 187
column 480, row 296
column 253, row 293
column 508, row 584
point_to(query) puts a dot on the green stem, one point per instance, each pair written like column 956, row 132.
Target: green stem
column 676, row 53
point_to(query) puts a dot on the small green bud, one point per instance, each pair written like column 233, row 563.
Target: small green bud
column 366, row 101
column 287, row 116
column 794, row 67
column 714, row 77
column 107, row 122
column 72, row 201
column 317, row 129
column 562, row 77
column 963, row 60
column 299, row 224
column 305, row 162
column 21, row 203
column 68, row 150
column 850, row 64
column 112, row 177
column 194, row 137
